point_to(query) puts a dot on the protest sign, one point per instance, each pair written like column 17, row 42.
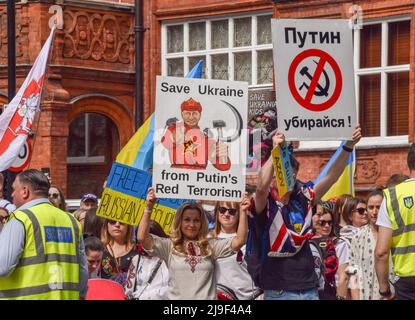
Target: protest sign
column 313, row 61
column 262, row 123
column 283, row 170
column 200, row 139
column 124, row 198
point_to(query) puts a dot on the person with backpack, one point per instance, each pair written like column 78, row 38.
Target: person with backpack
column 324, row 251
column 147, row 277
column 280, row 259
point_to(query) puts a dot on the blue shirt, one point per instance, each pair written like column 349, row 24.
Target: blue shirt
column 12, row 242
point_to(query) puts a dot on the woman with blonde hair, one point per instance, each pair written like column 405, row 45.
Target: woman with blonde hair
column 189, row 254
column 233, row 279
column 119, row 249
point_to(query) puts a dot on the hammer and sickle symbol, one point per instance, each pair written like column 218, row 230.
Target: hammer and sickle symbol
column 239, row 124
column 321, row 91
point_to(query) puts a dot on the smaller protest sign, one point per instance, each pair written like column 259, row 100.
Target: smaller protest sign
column 262, row 123
column 283, row 170
column 124, row 198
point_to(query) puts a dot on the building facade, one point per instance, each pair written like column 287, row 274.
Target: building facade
column 88, row 107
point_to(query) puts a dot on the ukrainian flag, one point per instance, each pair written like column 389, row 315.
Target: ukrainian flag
column 138, row 152
column 344, row 184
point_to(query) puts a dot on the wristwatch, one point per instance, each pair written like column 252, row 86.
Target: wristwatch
column 347, row 149
column 386, row 293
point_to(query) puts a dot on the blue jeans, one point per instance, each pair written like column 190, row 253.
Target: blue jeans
column 311, row 294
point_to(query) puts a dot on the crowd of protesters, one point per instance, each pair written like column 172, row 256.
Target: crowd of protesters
column 290, row 247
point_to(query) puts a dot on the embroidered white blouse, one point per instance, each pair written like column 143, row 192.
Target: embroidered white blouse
column 191, row 277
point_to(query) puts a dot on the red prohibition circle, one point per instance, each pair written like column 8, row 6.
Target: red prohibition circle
column 28, row 154
column 324, row 58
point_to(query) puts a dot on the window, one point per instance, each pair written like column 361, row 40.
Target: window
column 235, row 48
column 89, row 136
column 382, row 77
column 93, row 144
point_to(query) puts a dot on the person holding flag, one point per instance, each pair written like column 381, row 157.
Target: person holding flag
column 285, row 267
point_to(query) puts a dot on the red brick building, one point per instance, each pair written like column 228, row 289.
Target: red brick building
column 88, row 108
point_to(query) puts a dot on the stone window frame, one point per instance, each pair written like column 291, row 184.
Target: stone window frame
column 254, row 48
column 382, row 141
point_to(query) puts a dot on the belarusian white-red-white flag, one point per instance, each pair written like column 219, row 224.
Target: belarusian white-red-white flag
column 17, row 119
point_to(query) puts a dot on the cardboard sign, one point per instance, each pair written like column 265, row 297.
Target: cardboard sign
column 262, row 123
column 200, row 139
column 315, row 92
column 283, row 170
column 124, row 198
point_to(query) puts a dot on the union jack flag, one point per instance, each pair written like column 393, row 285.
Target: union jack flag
column 284, row 241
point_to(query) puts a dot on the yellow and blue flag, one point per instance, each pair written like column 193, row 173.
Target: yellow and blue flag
column 138, row 152
column 345, row 183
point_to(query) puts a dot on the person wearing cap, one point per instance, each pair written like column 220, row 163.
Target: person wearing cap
column 191, row 148
column 5, row 209
column 88, row 201
column 42, row 254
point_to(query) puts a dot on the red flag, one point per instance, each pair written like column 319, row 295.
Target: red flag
column 17, row 119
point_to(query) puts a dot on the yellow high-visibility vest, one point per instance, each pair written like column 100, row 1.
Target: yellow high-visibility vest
column 400, row 203
column 49, row 265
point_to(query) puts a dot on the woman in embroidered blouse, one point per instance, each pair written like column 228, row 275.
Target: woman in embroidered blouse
column 189, row 255
column 119, row 250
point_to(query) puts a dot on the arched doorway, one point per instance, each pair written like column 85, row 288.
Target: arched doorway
column 93, row 144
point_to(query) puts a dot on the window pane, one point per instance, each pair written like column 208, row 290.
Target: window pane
column 175, row 67
column 264, row 29
column 264, row 72
column 76, row 139
column 197, row 36
column 194, row 60
column 103, row 141
column 99, row 135
column 219, row 31
column 398, row 101
column 242, row 32
column 369, row 106
column 399, row 37
column 243, row 66
column 175, row 39
column 370, row 46
column 220, row 66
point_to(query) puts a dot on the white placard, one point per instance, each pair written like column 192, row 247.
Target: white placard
column 313, row 60
column 200, row 139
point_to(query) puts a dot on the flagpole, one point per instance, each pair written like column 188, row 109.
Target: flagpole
column 11, row 49
column 139, row 30
column 11, row 80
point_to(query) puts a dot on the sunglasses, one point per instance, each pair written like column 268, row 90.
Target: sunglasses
column 361, row 211
column 113, row 222
column 324, row 222
column 231, row 211
column 54, row 195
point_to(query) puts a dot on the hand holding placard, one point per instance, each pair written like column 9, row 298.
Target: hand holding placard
column 151, row 199
column 245, row 203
